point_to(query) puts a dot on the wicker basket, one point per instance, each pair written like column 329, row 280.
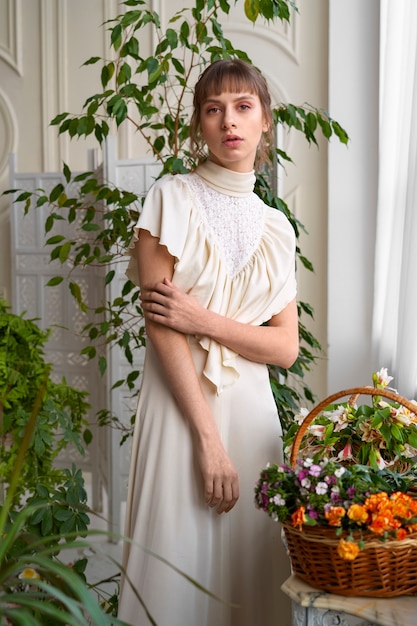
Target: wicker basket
column 382, row 569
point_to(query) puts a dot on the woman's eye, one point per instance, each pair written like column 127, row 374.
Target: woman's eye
column 212, row 110
column 244, row 106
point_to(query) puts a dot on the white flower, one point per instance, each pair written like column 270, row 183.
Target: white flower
column 317, row 430
column 306, row 483
column 382, row 377
column 408, row 451
column 29, row 574
column 339, row 472
column 340, row 418
column 321, row 488
column 299, row 418
column 278, row 500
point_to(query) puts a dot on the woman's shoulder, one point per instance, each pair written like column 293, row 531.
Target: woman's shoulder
column 169, row 181
column 278, row 217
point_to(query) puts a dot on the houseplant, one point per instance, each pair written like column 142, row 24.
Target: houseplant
column 36, row 587
column 62, row 412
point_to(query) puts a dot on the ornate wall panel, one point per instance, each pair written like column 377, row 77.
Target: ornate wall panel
column 10, row 34
column 8, row 131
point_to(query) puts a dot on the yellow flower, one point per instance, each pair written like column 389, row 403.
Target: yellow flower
column 348, row 550
column 29, row 574
column 357, row 513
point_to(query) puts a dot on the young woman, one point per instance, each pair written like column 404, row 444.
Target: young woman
column 216, row 270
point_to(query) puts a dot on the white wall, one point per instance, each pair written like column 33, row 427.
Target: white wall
column 352, row 184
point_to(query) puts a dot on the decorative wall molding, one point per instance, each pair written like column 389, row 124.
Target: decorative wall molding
column 62, row 77
column 11, row 47
column 284, row 38
column 8, row 131
column 47, row 82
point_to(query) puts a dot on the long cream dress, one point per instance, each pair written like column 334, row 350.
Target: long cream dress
column 236, row 256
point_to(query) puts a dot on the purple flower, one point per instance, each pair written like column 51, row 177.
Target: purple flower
column 351, row 491
column 315, row 470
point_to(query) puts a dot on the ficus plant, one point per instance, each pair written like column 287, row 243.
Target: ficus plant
column 152, row 94
column 61, row 420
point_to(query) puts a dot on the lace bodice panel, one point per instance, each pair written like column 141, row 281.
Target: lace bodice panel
column 235, row 222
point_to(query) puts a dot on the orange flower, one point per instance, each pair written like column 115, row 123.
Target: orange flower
column 404, row 506
column 348, row 550
column 358, row 513
column 401, row 534
column 334, row 515
column 298, row 517
column 383, row 522
column 375, row 501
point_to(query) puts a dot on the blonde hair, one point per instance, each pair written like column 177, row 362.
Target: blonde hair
column 236, row 76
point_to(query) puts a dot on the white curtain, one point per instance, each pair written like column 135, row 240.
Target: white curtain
column 395, row 296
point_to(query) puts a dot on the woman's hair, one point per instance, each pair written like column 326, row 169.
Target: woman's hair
column 236, row 76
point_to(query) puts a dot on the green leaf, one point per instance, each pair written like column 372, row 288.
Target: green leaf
column 87, row 436
column 396, row 433
column 75, row 291
column 109, row 277
column 92, row 60
column 67, row 172
column 55, row 239
column 53, row 282
column 107, row 73
column 56, row 191
column 102, row 364
column 116, row 36
column 59, row 118
column 251, row 9
column 172, row 37
column 64, row 251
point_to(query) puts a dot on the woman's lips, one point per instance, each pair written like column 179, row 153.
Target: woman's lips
column 232, row 141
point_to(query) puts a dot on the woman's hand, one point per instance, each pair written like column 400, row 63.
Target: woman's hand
column 221, row 484
column 168, row 305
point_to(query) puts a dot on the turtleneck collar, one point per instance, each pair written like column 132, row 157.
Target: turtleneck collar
column 228, row 182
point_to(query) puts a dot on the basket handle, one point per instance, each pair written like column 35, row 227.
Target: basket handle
column 354, row 392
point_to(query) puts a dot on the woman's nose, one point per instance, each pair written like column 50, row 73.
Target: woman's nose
column 228, row 121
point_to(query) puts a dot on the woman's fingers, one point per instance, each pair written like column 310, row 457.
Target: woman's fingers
column 223, row 495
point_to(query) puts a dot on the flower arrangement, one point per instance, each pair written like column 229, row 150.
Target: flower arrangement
column 382, row 434
column 353, row 500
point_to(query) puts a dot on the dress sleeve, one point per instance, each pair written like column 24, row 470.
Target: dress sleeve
column 165, row 214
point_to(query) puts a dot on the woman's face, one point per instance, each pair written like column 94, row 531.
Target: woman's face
column 232, row 124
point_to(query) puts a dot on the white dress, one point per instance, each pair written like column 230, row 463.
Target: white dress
column 236, row 256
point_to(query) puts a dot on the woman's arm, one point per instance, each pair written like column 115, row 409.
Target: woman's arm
column 276, row 344
column 221, row 488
